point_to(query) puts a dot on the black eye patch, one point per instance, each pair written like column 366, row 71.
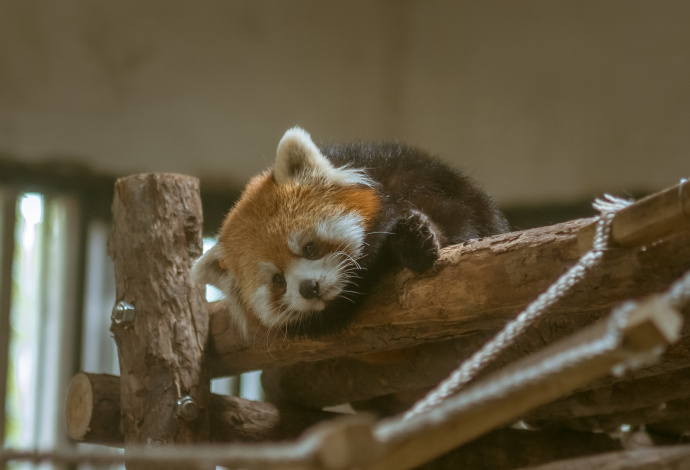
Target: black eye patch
column 278, row 282
column 310, row 251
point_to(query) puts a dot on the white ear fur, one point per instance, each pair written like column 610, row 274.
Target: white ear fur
column 298, row 158
column 207, row 270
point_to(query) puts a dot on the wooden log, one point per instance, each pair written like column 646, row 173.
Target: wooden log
column 161, row 327
column 657, row 458
column 477, row 285
column 346, row 380
column 93, row 408
column 650, row 219
column 532, row 381
column 235, row 419
column 406, row 310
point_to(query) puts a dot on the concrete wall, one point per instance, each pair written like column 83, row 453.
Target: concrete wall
column 541, row 100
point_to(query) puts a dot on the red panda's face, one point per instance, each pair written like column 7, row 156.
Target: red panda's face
column 292, row 247
column 291, row 243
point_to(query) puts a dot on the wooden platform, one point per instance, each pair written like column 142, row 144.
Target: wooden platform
column 414, row 330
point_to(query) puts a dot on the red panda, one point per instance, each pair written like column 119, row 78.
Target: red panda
column 308, row 238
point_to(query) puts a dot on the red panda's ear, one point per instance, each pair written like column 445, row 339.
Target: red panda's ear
column 212, row 269
column 298, row 159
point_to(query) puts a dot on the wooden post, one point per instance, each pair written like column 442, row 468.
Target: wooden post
column 160, row 323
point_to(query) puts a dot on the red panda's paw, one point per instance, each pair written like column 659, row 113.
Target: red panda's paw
column 416, row 242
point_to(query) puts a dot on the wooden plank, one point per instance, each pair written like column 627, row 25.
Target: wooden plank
column 488, row 404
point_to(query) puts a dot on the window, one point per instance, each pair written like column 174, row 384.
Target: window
column 43, row 309
column 53, row 255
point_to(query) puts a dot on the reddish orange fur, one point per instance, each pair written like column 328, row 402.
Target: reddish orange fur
column 257, row 227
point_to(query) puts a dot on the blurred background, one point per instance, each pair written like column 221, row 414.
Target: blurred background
column 547, row 103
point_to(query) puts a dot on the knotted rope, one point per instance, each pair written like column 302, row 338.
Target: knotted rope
column 507, row 336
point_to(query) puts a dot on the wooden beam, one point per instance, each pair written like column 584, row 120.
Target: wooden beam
column 479, row 285
column 93, row 408
column 160, row 324
column 650, row 219
column 347, row 380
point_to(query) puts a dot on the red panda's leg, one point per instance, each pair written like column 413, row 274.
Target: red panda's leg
column 415, row 241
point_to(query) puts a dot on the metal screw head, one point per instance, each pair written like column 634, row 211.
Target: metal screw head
column 123, row 312
column 186, row 408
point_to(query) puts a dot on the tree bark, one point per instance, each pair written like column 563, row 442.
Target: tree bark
column 156, row 237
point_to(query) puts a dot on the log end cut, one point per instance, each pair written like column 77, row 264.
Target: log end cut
column 92, row 409
column 79, row 407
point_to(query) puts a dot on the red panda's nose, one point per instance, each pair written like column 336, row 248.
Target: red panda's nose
column 309, row 289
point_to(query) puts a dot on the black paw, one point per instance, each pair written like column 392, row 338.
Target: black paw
column 416, row 242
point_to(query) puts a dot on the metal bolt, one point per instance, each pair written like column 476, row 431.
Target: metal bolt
column 123, row 313
column 187, row 408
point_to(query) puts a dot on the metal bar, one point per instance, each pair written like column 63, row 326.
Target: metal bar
column 8, row 212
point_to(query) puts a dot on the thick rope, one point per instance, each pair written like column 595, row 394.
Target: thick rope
column 472, row 366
